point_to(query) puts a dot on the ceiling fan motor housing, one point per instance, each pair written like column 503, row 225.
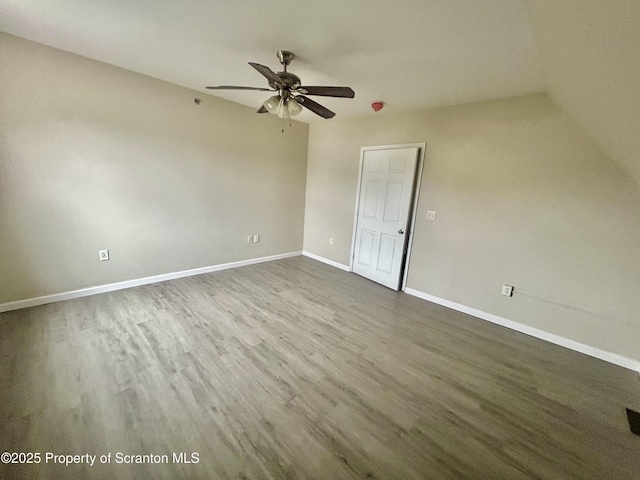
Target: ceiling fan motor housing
column 289, row 80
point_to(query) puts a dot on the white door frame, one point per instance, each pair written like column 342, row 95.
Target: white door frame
column 414, row 205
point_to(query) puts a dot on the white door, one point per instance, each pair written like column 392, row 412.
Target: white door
column 386, row 191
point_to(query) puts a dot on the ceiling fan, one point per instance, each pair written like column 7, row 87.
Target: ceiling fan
column 291, row 96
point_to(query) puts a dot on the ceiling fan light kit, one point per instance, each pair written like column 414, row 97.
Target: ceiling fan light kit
column 283, row 109
column 290, row 97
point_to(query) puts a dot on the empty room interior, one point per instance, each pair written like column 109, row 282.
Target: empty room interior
column 320, row 239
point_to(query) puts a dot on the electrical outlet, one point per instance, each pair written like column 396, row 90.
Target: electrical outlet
column 507, row 290
column 103, row 255
column 330, row 240
column 256, row 238
column 249, row 238
column 431, row 215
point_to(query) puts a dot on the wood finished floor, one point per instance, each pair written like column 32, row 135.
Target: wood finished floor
column 293, row 369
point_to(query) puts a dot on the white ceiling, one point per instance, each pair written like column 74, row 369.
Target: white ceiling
column 410, row 54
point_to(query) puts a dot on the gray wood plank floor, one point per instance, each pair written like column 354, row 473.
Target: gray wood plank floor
column 293, row 369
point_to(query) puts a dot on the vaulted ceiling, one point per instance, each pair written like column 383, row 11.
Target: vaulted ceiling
column 410, row 54
column 590, row 51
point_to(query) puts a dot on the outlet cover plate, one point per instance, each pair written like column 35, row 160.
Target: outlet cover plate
column 103, row 255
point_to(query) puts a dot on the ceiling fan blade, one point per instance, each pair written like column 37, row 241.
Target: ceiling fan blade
column 267, row 72
column 232, row 87
column 315, row 107
column 262, row 109
column 344, row 92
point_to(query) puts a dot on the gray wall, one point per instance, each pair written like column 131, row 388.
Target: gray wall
column 93, row 157
column 522, row 196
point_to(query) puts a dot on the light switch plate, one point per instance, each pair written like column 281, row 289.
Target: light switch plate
column 507, row 290
column 256, row 238
column 103, row 255
column 431, row 215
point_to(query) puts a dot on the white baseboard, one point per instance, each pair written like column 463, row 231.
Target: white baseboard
column 534, row 332
column 326, row 260
column 84, row 292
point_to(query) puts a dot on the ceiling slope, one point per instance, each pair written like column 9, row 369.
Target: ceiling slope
column 410, row 54
column 590, row 51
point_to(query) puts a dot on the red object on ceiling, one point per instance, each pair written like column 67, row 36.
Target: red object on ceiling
column 377, row 106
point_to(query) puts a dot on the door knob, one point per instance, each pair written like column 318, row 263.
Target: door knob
column 401, row 231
